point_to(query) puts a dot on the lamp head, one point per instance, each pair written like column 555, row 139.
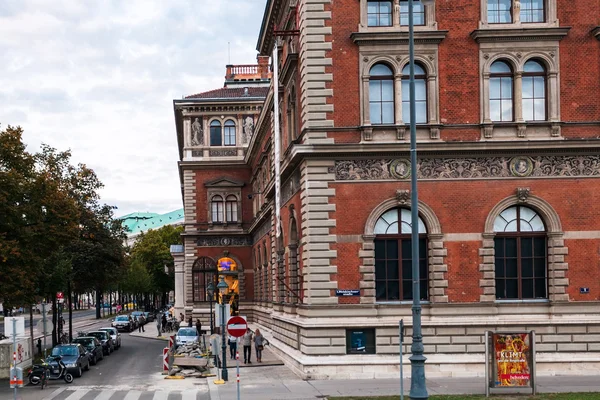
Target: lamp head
column 222, row 286
column 210, row 289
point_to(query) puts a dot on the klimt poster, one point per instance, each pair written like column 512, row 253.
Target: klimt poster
column 512, row 359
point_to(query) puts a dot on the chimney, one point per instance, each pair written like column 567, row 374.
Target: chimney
column 263, row 66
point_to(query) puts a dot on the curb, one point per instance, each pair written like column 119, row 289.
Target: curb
column 213, row 390
column 161, row 338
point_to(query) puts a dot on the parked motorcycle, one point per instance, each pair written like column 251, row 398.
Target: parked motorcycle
column 52, row 369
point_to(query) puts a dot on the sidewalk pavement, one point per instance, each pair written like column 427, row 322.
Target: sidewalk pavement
column 265, row 381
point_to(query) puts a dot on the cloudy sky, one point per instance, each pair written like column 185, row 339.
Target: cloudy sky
column 99, row 77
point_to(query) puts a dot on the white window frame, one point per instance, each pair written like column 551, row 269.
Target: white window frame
column 517, row 57
column 430, row 21
column 551, row 19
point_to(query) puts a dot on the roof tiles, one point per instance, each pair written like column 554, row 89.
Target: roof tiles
column 232, row 93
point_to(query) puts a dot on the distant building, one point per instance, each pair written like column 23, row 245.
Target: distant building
column 140, row 222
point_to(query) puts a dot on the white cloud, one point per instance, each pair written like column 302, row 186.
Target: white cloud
column 99, row 77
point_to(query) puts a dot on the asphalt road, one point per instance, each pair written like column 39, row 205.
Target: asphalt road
column 37, row 317
column 135, row 367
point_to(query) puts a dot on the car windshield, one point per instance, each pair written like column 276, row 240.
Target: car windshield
column 188, row 332
column 98, row 335
column 108, row 330
column 65, row 351
column 122, row 318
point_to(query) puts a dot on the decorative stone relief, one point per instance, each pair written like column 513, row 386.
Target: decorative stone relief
column 197, row 134
column 400, row 132
column 223, row 153
column 214, row 241
column 403, row 197
column 555, row 131
column 248, row 129
column 521, row 131
column 469, row 168
column 197, row 153
column 434, row 133
column 488, row 131
column 523, row 194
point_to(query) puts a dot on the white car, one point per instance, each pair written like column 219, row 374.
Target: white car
column 186, row 335
column 114, row 335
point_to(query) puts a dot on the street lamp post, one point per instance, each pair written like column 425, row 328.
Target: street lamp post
column 418, row 388
column 211, row 291
column 222, row 286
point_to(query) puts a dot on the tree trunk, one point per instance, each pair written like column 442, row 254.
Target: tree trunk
column 54, row 320
column 31, row 327
column 98, row 299
column 70, row 297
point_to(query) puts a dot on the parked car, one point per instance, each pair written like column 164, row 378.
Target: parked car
column 105, row 340
column 186, row 335
column 149, row 316
column 122, row 323
column 114, row 335
column 74, row 356
column 93, row 348
column 136, row 316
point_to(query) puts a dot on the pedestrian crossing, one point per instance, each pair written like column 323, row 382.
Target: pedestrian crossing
column 109, row 394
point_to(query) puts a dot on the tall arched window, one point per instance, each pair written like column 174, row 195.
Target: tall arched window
column 418, row 13
column 216, row 206
column 420, row 94
column 393, row 258
column 381, row 95
column 294, row 295
column 534, row 91
column 229, row 133
column 291, row 115
column 520, row 254
column 379, row 13
column 501, row 92
column 499, row 11
column 204, row 271
column 215, row 133
column 231, row 214
column 266, row 273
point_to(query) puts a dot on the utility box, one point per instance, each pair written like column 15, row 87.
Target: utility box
column 16, row 377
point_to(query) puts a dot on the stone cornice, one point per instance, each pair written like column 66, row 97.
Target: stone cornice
column 396, row 38
column 596, row 32
column 519, row 34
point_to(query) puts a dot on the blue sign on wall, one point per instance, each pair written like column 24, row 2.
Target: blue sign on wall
column 347, row 292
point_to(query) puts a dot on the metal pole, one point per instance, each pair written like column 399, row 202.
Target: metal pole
column 401, row 337
column 223, row 343
column 237, row 365
column 418, row 389
column 487, row 361
column 15, row 353
column 211, row 315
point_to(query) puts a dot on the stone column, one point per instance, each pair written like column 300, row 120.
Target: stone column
column 398, row 99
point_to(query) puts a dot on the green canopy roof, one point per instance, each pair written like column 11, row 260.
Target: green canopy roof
column 137, row 222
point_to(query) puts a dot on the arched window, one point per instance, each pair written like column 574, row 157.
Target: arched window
column 291, row 115
column 520, row 254
column 379, row 13
column 499, row 11
column 215, row 133
column 534, row 91
column 266, row 273
column 381, row 95
column 418, row 13
column 216, row 206
column 532, row 11
column 420, row 94
column 231, row 214
column 204, row 271
column 294, row 295
column 393, row 258
column 229, row 135
column 501, row 92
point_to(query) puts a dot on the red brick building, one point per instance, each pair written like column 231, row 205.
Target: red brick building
column 509, row 183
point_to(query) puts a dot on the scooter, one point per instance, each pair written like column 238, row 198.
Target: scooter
column 52, row 369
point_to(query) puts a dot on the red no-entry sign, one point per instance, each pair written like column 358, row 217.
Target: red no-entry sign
column 237, row 326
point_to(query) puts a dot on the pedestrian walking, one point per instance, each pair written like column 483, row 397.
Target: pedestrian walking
column 259, row 344
column 232, row 347
column 190, row 322
column 141, row 322
column 199, row 327
column 247, row 341
column 164, row 322
column 158, row 326
column 181, row 317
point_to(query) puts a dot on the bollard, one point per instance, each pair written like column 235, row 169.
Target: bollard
column 166, row 360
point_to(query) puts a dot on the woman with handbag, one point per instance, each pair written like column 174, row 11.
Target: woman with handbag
column 259, row 344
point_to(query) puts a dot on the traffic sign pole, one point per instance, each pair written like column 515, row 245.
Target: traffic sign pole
column 237, row 365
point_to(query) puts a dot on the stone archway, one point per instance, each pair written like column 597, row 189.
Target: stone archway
column 557, row 266
column 438, row 270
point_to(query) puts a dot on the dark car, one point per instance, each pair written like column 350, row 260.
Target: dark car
column 122, row 323
column 74, row 356
column 92, row 346
column 115, row 336
column 105, row 340
column 149, row 316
